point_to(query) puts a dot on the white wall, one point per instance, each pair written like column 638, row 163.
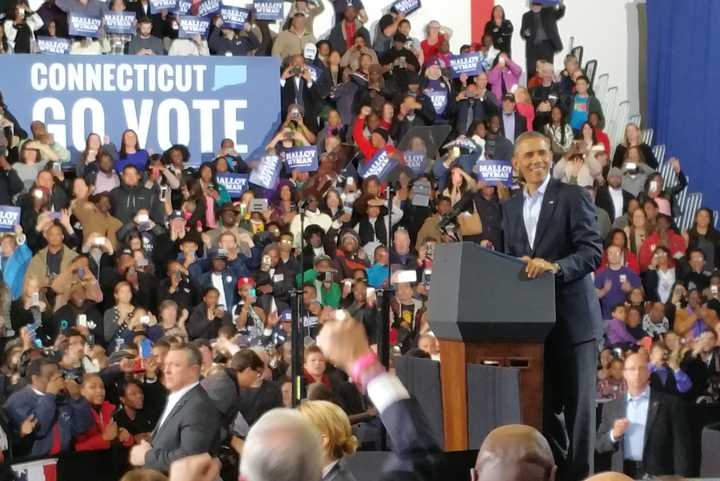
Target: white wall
column 600, row 26
column 453, row 13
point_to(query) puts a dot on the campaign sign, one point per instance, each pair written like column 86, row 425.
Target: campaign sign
column 380, row 165
column 9, row 218
column 121, row 23
column 267, row 172
column 304, row 159
column 208, row 7
column 156, row 6
column 416, row 161
column 271, row 10
column 235, row 184
column 190, row 27
column 406, row 7
column 53, row 45
column 80, row 25
column 548, row 3
column 234, row 17
column 183, row 7
column 191, row 101
column 492, row 171
column 468, row 64
column 439, row 99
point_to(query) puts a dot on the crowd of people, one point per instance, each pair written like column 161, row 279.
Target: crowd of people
column 142, row 308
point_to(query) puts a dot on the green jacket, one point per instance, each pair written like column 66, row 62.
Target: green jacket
column 327, row 297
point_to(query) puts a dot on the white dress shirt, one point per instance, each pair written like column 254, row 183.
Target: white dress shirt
column 173, row 399
column 531, row 210
column 637, row 412
column 217, row 282
column 616, row 195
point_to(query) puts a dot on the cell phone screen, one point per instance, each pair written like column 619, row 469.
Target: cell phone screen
column 146, row 348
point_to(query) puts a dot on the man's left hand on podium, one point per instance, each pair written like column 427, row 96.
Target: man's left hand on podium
column 537, row 266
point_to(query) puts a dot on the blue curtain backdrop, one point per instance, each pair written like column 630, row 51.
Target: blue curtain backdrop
column 684, row 87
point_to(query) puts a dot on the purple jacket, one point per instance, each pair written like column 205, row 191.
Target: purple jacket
column 511, row 75
column 617, row 333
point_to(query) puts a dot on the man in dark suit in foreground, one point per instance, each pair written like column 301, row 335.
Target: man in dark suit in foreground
column 553, row 227
column 189, row 424
column 647, row 431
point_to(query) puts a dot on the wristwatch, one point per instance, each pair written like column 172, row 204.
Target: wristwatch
column 556, row 269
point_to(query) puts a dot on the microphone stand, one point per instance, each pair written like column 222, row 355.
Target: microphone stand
column 298, row 314
column 383, row 308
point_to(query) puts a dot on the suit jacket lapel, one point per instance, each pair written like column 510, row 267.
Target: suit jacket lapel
column 516, row 203
column 653, row 406
column 546, row 212
column 174, row 411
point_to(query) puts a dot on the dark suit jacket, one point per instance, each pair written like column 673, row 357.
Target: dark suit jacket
column 520, row 125
column 413, row 443
column 339, row 473
column 482, row 110
column 604, row 201
column 567, row 233
column 667, row 435
column 311, row 98
column 549, row 17
column 192, row 427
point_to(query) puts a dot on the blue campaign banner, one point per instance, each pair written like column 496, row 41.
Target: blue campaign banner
column 190, row 27
column 380, row 165
column 304, row 159
column 156, row 6
column 235, row 184
column 9, row 218
column 208, row 7
column 84, row 25
column 548, row 3
column 183, row 7
column 416, row 161
column 406, row 7
column 167, row 100
column 267, row 172
column 53, row 45
column 121, row 23
column 492, row 171
column 234, row 17
column 468, row 64
column 271, row 10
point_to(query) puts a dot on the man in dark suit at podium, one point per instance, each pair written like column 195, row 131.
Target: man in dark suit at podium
column 553, row 227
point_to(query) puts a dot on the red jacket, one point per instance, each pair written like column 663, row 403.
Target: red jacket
column 675, row 244
column 92, row 440
column 365, row 146
column 603, row 139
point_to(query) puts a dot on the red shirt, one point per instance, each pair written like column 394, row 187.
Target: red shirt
column 430, row 51
column 350, row 30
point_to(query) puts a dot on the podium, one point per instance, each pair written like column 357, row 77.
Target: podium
column 484, row 310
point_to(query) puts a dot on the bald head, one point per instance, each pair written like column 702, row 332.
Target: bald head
column 515, row 453
column 609, row 476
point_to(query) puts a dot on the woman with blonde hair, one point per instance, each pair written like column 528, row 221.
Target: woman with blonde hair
column 633, row 138
column 525, row 106
column 336, row 436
